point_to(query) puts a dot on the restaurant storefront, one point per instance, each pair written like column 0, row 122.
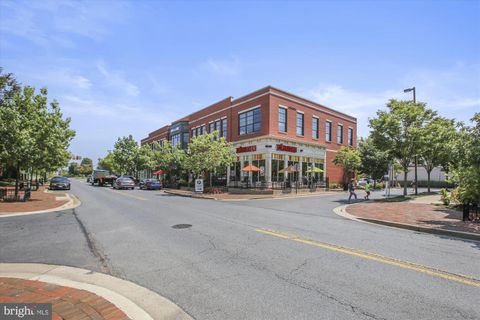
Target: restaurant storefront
column 278, row 160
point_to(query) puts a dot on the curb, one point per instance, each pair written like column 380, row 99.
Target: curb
column 257, row 198
column 72, row 203
column 341, row 211
column 135, row 301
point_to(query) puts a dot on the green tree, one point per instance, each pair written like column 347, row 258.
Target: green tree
column 129, row 158
column 466, row 163
column 166, row 157
column 107, row 163
column 73, row 168
column 207, row 153
column 86, row 161
column 374, row 162
column 438, row 136
column 8, row 87
column 34, row 134
column 349, row 159
column 399, row 131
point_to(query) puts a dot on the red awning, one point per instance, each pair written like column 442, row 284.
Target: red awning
column 158, row 172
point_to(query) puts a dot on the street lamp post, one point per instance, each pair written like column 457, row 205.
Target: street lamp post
column 416, row 175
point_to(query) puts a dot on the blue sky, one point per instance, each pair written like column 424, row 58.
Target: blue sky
column 120, row 68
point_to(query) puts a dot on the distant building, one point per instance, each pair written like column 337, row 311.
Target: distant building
column 437, row 174
column 271, row 129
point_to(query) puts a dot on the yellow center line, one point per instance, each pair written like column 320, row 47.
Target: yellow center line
column 377, row 257
column 127, row 194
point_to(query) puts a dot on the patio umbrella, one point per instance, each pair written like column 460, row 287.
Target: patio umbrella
column 251, row 168
column 315, row 170
column 289, row 169
column 158, row 172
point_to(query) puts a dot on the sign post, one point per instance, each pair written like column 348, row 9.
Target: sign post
column 199, row 185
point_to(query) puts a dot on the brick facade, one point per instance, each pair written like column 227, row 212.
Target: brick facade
column 269, row 100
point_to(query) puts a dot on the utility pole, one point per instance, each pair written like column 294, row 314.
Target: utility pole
column 416, row 165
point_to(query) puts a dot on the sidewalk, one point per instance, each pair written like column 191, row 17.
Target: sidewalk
column 40, row 200
column 416, row 215
column 239, row 197
column 67, row 303
column 80, row 294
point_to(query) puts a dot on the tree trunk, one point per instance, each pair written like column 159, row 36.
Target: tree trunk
column 17, row 176
column 428, row 181
column 405, row 172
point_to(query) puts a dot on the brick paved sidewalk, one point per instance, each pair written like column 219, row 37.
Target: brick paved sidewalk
column 67, row 303
column 417, row 214
column 39, row 200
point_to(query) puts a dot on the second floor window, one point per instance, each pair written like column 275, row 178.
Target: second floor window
column 204, row 129
column 339, row 134
column 282, row 119
column 300, row 123
column 350, row 137
column 223, row 132
column 249, row 122
column 193, row 133
column 315, row 128
column 176, row 140
column 328, row 131
column 211, row 127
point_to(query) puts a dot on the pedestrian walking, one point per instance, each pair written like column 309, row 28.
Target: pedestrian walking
column 367, row 190
column 351, row 189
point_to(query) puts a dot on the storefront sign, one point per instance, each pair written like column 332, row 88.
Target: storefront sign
column 282, row 147
column 246, row 149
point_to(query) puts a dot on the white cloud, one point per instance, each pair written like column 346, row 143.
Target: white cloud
column 47, row 23
column 454, row 93
column 117, row 80
column 229, row 67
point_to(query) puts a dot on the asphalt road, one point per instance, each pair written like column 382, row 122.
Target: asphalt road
column 262, row 259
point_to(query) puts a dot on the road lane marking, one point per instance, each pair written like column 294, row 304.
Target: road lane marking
column 377, row 257
column 127, row 194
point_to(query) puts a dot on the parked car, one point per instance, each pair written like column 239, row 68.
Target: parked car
column 59, row 183
column 150, row 184
column 131, row 177
column 363, row 181
column 124, row 183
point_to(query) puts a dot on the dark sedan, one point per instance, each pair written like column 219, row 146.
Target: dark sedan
column 150, row 184
column 59, row 183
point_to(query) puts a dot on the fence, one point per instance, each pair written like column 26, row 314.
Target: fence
column 470, row 212
column 280, row 185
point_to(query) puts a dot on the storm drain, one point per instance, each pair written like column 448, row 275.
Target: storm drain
column 182, row 226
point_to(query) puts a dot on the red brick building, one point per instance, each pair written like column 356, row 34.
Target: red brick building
column 271, row 129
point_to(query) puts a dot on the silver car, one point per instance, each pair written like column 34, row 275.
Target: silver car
column 124, row 183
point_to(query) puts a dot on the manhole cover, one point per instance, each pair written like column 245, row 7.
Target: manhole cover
column 182, row 226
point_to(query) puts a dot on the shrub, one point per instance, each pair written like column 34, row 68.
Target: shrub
column 445, row 196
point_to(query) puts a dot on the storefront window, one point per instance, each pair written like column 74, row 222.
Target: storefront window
column 278, row 164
